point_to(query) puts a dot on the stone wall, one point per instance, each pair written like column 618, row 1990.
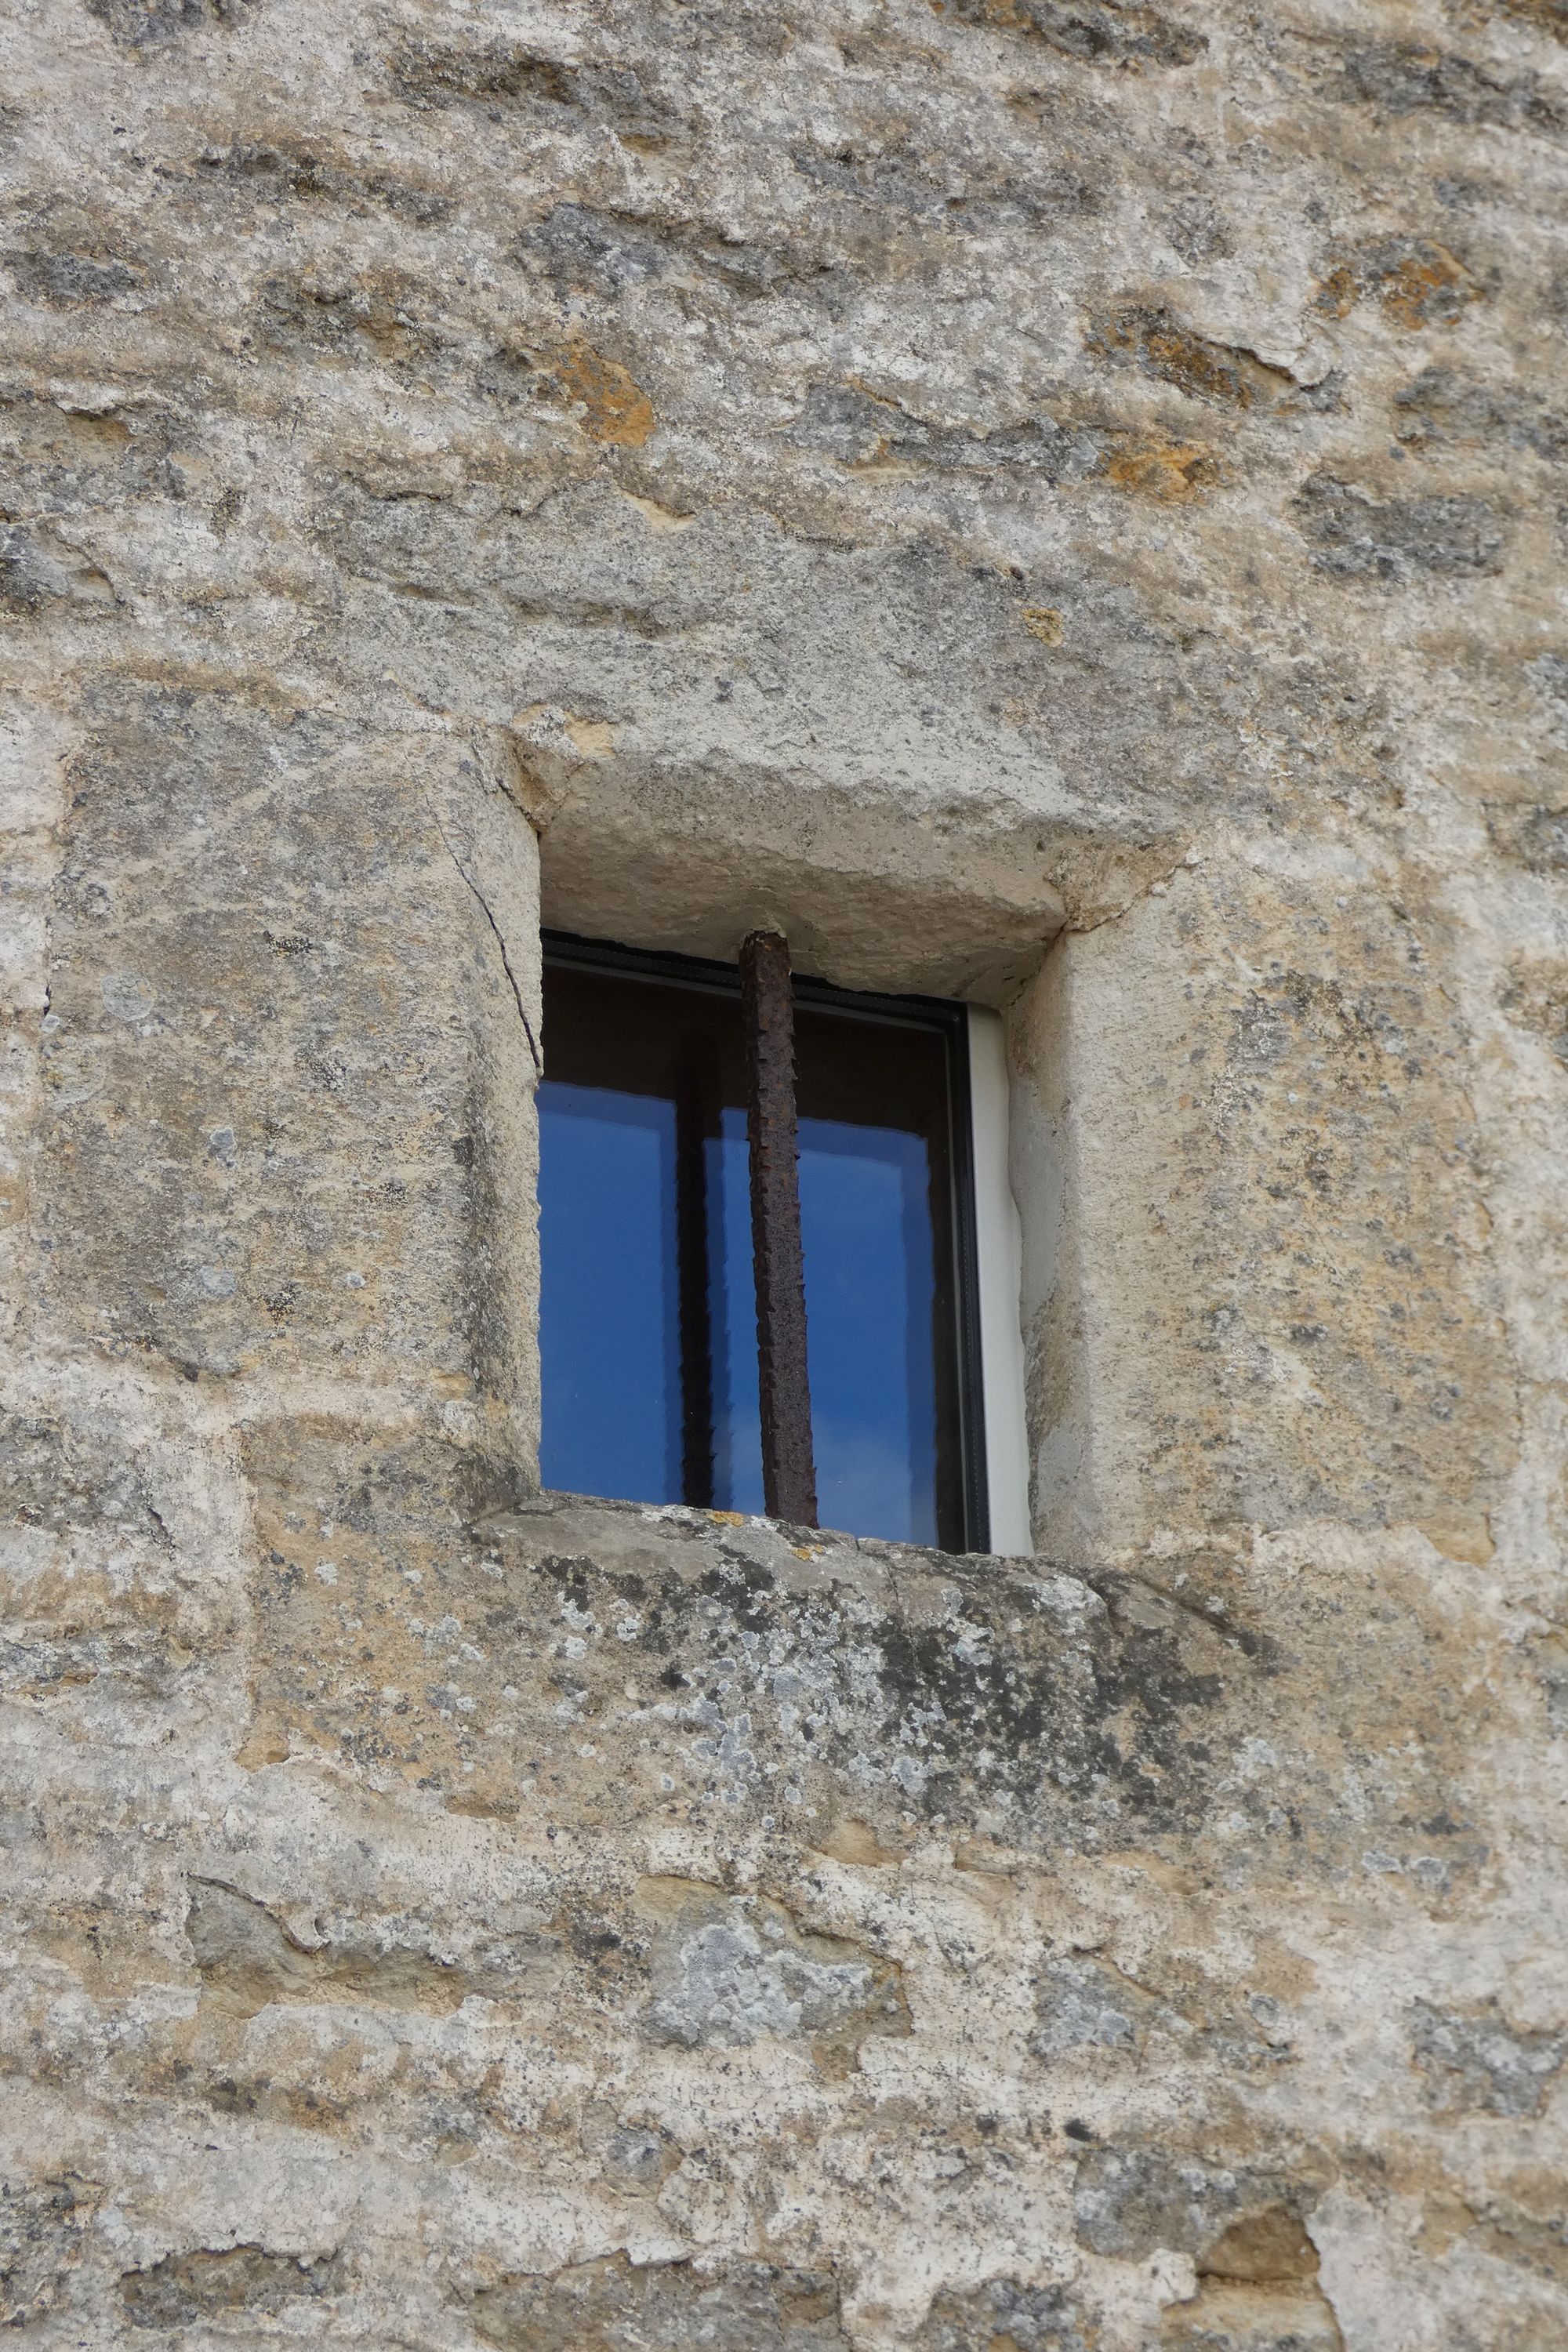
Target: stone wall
column 1058, row 501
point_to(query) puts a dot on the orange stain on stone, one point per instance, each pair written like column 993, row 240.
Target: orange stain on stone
column 1161, row 470
column 616, row 408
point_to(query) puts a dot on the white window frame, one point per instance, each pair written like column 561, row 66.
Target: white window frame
column 999, row 1280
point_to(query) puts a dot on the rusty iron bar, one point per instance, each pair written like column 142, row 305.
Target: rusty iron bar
column 767, row 1001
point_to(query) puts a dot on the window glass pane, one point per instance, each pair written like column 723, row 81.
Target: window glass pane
column 648, row 1316
column 609, row 1334
column 738, row 1416
column 865, row 1210
column 869, row 1296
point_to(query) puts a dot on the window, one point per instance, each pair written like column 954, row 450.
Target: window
column 648, row 1329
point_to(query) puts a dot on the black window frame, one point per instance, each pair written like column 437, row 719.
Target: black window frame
column 948, row 1019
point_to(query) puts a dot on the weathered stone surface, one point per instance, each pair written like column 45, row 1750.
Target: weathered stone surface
column 245, row 2281
column 753, row 2308
column 40, row 2244
column 1057, row 501
column 1036, row 2319
column 1476, row 2061
column 1389, row 539
column 727, row 1971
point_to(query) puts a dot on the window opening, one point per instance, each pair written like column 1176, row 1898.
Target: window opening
column 649, row 1327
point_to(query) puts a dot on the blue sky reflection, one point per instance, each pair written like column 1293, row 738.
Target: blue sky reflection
column 610, row 1321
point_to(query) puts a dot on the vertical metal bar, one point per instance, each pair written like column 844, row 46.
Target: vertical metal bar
column 789, row 1472
column 695, row 1322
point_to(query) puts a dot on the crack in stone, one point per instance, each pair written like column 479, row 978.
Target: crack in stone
column 500, row 942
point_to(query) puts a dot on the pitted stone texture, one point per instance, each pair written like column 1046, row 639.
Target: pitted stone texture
column 41, row 2223
column 1035, row 2319
column 242, row 2283
column 1479, row 2061
column 726, row 1972
column 666, row 2306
